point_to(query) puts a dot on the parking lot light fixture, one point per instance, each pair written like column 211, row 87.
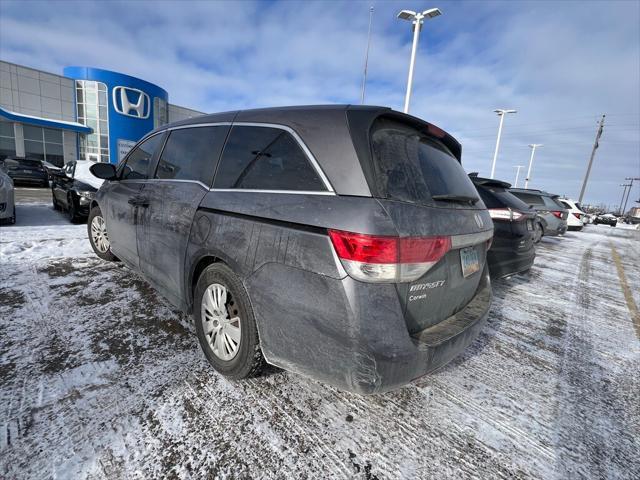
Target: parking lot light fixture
column 501, row 113
column 533, row 151
column 417, row 19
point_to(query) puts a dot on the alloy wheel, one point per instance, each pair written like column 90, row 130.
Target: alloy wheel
column 220, row 321
column 99, row 234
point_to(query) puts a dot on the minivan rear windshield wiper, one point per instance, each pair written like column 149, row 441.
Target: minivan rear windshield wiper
column 456, row 198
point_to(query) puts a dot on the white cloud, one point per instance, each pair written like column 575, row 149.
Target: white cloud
column 561, row 67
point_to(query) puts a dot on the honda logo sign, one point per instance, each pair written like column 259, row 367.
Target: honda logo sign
column 131, row 102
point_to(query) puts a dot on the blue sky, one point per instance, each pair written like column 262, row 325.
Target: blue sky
column 561, row 64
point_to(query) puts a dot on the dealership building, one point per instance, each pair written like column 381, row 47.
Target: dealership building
column 85, row 113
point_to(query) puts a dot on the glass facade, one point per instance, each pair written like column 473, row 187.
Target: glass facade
column 7, row 139
column 93, row 112
column 43, row 144
column 160, row 114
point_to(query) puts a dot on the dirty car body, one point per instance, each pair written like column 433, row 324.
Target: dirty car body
column 360, row 272
column 551, row 213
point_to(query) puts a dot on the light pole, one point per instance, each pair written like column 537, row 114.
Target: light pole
column 417, row 19
column 366, row 58
column 533, row 151
column 515, row 184
column 501, row 113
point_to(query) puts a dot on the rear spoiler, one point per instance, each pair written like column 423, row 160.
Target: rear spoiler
column 487, row 182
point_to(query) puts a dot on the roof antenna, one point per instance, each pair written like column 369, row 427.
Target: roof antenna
column 366, row 58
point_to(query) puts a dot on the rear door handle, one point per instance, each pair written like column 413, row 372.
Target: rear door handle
column 139, row 201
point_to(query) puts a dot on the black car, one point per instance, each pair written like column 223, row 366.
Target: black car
column 340, row 242
column 606, row 219
column 71, row 191
column 26, row 171
column 512, row 250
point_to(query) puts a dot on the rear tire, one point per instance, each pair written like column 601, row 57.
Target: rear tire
column 98, row 238
column 225, row 323
column 538, row 232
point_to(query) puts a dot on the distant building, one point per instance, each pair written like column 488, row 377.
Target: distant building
column 86, row 113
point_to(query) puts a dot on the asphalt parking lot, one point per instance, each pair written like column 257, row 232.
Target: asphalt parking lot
column 101, row 379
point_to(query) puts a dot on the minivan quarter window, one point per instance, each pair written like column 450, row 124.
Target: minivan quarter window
column 265, row 158
column 136, row 166
column 192, row 154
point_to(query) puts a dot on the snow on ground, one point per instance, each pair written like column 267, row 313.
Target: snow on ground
column 102, row 379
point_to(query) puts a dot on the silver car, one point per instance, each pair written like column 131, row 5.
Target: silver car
column 7, row 199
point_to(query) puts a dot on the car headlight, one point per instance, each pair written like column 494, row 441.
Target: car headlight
column 86, row 197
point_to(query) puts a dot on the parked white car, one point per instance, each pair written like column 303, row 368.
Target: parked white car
column 7, row 199
column 577, row 218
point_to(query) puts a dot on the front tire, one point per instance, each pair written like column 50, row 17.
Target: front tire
column 225, row 323
column 72, row 210
column 98, row 238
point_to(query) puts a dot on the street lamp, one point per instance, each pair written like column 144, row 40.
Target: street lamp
column 515, row 184
column 501, row 112
column 533, row 151
column 417, row 19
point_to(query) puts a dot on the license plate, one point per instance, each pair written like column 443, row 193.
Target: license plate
column 469, row 261
column 530, row 225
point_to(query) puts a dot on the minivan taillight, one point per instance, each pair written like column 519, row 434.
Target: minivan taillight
column 557, row 214
column 372, row 258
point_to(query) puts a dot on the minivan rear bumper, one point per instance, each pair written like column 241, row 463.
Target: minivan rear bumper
column 353, row 335
column 428, row 349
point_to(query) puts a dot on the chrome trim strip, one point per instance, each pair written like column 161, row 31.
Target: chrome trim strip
column 287, row 192
column 469, row 239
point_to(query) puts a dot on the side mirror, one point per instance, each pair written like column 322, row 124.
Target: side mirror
column 105, row 171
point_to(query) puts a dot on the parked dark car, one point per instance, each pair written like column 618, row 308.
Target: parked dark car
column 606, row 219
column 26, row 171
column 73, row 188
column 343, row 243
column 512, row 250
column 552, row 215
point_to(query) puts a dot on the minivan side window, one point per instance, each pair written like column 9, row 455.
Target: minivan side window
column 265, row 158
column 192, row 154
column 138, row 160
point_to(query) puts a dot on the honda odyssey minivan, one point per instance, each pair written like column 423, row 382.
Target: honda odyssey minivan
column 339, row 242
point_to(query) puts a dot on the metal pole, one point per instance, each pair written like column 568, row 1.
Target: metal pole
column 624, row 192
column 533, row 151
column 624, row 209
column 495, row 154
column 366, row 57
column 593, row 154
column 416, row 34
column 515, row 185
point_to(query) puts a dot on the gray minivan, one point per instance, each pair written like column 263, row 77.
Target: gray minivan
column 345, row 243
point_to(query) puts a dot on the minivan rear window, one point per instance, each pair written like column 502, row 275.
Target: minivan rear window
column 497, row 197
column 411, row 166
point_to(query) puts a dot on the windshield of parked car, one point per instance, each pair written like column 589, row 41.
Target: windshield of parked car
column 413, row 167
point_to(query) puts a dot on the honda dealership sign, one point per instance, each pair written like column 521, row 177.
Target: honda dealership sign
column 131, row 102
